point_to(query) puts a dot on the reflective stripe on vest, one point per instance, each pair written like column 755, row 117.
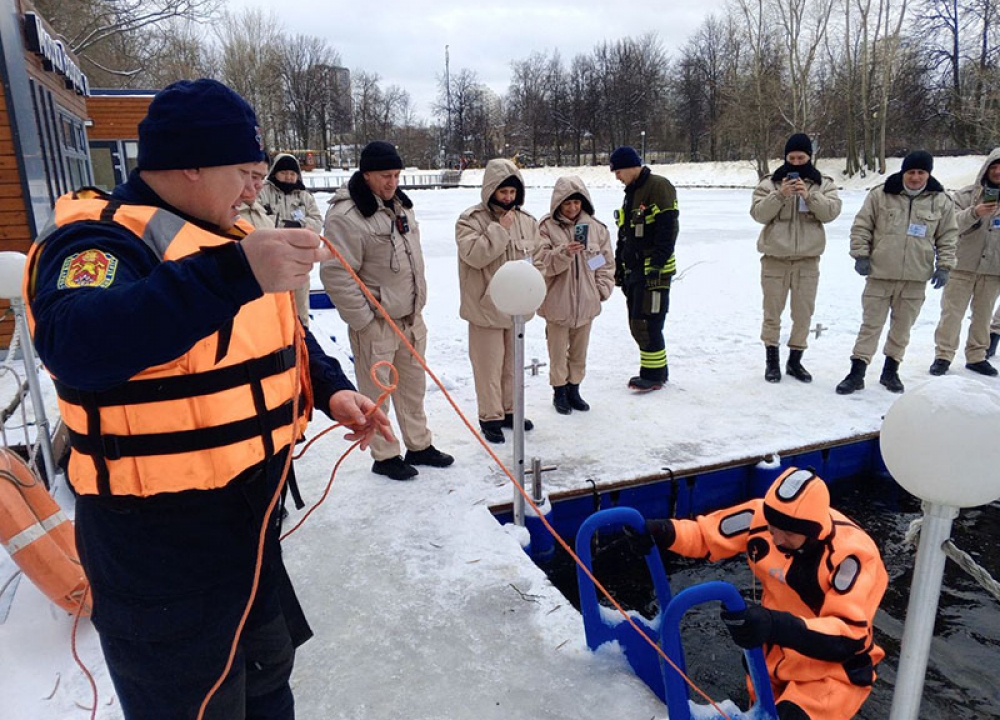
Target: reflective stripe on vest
column 198, row 421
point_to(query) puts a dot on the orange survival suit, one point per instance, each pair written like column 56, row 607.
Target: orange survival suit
column 827, row 591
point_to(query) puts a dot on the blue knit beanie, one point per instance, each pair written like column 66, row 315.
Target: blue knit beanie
column 625, row 157
column 200, row 123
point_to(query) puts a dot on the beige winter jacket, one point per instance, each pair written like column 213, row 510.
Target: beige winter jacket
column 906, row 238
column 255, row 215
column 390, row 263
column 789, row 232
column 484, row 245
column 576, row 284
column 978, row 244
column 298, row 205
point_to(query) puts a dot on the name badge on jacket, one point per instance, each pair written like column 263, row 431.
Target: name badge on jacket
column 917, row 230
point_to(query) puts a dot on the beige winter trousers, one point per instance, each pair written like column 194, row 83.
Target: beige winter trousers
column 491, row 351
column 567, row 353
column 377, row 342
column 962, row 289
column 903, row 298
column 778, row 278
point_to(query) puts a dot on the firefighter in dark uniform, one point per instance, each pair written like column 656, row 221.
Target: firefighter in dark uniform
column 644, row 260
column 172, row 338
column 821, row 579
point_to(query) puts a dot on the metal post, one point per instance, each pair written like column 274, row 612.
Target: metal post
column 536, row 481
column 921, row 610
column 31, row 370
column 519, row 418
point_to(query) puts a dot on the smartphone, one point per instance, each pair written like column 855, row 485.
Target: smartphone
column 990, row 195
column 792, row 176
column 580, row 232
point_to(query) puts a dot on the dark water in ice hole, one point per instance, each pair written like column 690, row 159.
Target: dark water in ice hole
column 963, row 677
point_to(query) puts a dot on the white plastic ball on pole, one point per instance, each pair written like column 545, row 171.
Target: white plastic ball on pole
column 11, row 274
column 517, row 288
column 941, row 442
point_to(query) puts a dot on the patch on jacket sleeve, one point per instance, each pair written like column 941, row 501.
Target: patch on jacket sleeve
column 846, row 575
column 90, row 268
column 736, row 524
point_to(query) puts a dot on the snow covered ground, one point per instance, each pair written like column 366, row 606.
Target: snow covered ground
column 423, row 607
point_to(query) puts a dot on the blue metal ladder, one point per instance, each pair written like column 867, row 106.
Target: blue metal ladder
column 605, row 625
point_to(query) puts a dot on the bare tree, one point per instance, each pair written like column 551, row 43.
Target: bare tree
column 804, row 24
column 249, row 62
column 108, row 35
column 300, row 60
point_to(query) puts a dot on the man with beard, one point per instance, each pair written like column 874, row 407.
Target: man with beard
column 902, row 238
column 793, row 205
column 821, row 581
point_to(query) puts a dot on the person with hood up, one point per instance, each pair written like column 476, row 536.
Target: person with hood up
column 903, row 236
column 372, row 224
column 821, row 581
column 488, row 235
column 976, row 277
column 793, row 205
column 644, row 261
column 285, row 198
column 579, row 267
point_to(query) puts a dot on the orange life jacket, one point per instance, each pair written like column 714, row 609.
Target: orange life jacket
column 196, row 422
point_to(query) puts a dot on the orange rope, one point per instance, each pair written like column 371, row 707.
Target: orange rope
column 527, row 497
column 76, row 654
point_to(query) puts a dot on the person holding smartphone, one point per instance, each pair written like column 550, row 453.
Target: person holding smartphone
column 793, row 204
column 975, row 280
column 576, row 259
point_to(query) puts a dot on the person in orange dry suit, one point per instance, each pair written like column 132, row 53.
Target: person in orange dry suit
column 821, row 579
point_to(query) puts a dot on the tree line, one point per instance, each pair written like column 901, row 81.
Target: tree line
column 867, row 79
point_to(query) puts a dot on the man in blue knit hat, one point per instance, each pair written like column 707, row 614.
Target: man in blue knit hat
column 644, row 261
column 171, row 334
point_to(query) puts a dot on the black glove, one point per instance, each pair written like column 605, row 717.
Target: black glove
column 657, row 532
column 751, row 627
column 291, row 224
column 863, row 266
column 939, row 278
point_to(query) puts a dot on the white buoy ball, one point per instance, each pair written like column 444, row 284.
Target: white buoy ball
column 941, row 442
column 517, row 288
column 11, row 274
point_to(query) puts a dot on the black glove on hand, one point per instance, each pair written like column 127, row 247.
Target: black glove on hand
column 940, row 278
column 863, row 266
column 659, row 532
column 751, row 627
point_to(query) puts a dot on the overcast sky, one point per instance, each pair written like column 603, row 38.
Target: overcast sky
column 404, row 41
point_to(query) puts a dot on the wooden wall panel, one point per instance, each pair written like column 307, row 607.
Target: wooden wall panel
column 116, row 117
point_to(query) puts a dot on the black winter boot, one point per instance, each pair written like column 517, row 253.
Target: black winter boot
column 992, row 349
column 492, row 430
column 560, row 400
column 939, row 367
column 890, row 375
column 772, row 370
column 508, row 422
column 573, row 395
column 855, row 380
column 395, row 468
column 793, row 368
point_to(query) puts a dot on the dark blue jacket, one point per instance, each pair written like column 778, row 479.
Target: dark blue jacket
column 152, row 313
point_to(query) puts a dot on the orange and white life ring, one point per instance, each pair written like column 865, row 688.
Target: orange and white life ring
column 38, row 536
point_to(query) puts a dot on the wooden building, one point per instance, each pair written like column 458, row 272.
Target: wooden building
column 43, row 137
column 113, row 132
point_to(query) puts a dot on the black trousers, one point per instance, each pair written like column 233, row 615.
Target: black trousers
column 647, row 312
column 170, row 576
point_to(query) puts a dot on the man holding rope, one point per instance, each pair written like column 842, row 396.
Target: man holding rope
column 184, row 378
